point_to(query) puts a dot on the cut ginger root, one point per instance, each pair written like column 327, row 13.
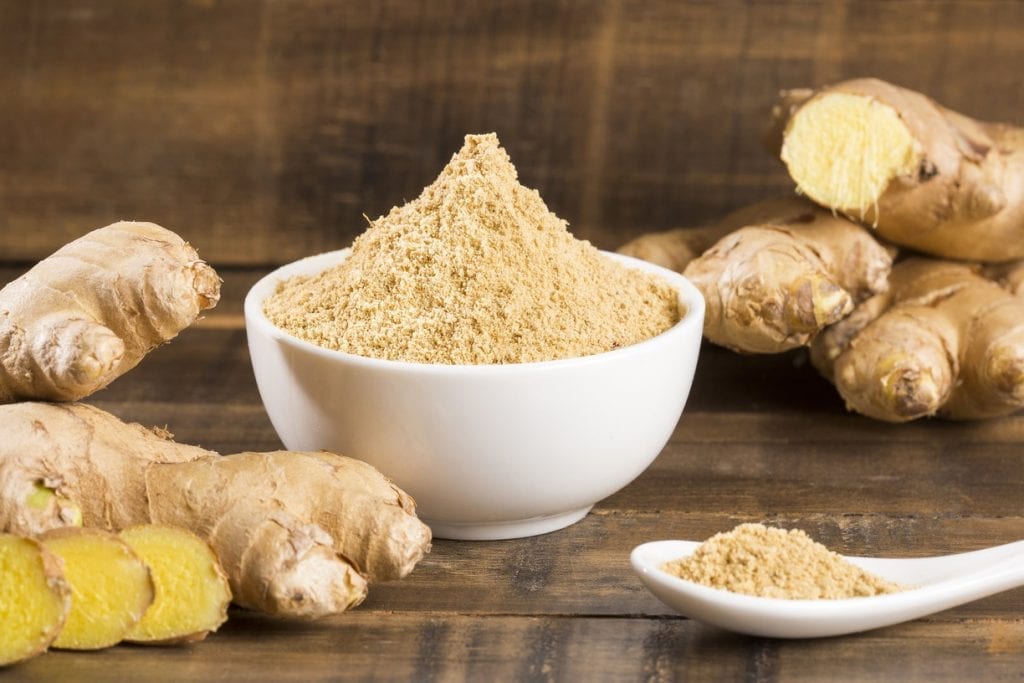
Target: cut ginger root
column 924, row 176
column 944, row 340
column 111, row 588
column 191, row 592
column 34, row 598
column 89, row 312
column 298, row 534
column 773, row 274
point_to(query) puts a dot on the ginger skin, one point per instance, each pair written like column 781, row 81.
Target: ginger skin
column 944, row 340
column 926, row 177
column 777, row 273
column 675, row 248
column 299, row 534
column 88, row 313
column 1010, row 276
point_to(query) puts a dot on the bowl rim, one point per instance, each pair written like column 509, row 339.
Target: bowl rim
column 688, row 295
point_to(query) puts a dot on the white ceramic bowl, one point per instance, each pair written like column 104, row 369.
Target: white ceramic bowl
column 487, row 451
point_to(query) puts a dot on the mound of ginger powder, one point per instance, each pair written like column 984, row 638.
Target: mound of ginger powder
column 769, row 562
column 476, row 270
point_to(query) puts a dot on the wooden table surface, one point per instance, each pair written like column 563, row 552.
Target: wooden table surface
column 762, row 439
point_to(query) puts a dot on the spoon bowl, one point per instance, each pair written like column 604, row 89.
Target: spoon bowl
column 934, row 584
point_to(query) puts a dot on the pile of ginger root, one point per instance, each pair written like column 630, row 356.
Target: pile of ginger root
column 899, row 260
column 291, row 534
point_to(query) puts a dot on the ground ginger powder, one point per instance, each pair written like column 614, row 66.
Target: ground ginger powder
column 476, row 270
column 775, row 563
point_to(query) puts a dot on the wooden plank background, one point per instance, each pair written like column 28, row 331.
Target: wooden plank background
column 263, row 130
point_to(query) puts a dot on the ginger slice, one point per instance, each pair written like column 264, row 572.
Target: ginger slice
column 34, row 598
column 110, row 587
column 843, row 150
column 191, row 590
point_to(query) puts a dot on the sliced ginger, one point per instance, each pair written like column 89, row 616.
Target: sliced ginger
column 34, row 598
column 843, row 150
column 110, row 587
column 191, row 589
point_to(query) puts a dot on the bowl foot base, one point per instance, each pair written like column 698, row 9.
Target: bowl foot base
column 498, row 531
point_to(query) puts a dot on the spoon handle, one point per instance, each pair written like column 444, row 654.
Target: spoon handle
column 1014, row 556
column 1008, row 552
column 1007, row 566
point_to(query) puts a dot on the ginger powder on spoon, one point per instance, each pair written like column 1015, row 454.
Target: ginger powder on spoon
column 769, row 562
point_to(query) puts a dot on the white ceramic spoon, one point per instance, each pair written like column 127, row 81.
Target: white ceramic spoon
column 941, row 582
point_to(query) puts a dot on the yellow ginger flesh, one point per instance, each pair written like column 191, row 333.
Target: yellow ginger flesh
column 843, row 150
column 33, row 599
column 191, row 590
column 110, row 587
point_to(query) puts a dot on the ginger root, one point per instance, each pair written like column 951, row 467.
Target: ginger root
column 675, row 248
column 944, row 340
column 34, row 598
column 780, row 271
column 298, row 534
column 110, row 587
column 191, row 592
column 926, row 177
column 1010, row 276
column 88, row 313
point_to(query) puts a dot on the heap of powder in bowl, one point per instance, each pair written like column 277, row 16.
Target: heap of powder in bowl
column 476, row 270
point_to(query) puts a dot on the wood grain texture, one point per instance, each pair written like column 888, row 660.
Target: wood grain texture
column 263, row 131
column 444, row 647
